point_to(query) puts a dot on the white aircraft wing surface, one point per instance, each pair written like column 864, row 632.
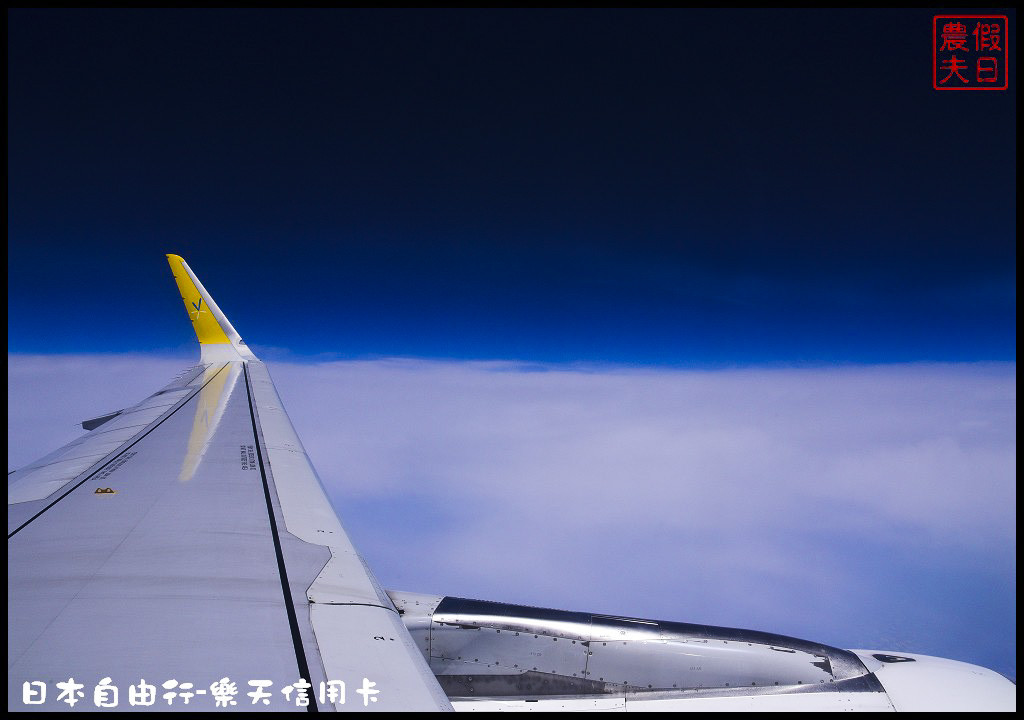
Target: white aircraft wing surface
column 182, row 555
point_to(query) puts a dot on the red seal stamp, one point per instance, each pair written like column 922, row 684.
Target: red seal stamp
column 970, row 52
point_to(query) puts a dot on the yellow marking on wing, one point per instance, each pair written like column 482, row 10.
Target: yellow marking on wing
column 213, row 400
column 208, row 330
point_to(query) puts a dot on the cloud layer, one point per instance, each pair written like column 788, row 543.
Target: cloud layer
column 860, row 506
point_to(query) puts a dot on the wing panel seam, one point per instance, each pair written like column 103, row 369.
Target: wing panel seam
column 293, row 621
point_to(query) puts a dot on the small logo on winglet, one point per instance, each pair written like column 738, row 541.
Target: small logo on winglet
column 198, row 309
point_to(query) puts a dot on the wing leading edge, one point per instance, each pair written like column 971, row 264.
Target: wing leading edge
column 189, row 539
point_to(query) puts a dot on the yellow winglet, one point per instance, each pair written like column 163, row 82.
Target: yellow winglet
column 218, row 340
column 208, row 330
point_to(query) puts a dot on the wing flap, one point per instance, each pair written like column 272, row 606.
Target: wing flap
column 380, row 652
column 308, row 513
column 346, row 600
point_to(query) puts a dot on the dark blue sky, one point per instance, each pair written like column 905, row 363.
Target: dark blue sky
column 670, row 187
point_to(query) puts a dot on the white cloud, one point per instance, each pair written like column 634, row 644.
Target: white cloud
column 853, row 505
column 930, row 447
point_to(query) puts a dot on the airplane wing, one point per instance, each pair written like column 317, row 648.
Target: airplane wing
column 182, row 555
